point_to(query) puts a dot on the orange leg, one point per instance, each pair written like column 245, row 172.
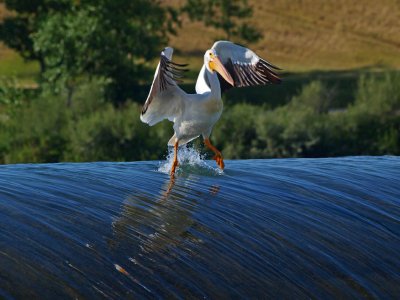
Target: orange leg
column 175, row 162
column 218, row 156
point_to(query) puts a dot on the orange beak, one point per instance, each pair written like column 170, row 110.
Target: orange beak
column 216, row 65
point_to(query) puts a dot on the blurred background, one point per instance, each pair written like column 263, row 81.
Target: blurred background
column 74, row 75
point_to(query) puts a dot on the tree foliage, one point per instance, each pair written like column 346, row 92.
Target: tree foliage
column 306, row 127
column 107, row 38
column 227, row 15
column 92, row 129
column 16, row 29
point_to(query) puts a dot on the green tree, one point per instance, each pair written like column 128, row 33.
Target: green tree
column 110, row 39
column 16, row 29
column 227, row 15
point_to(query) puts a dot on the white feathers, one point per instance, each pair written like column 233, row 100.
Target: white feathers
column 165, row 97
column 227, row 50
column 196, row 114
column 245, row 67
column 202, row 86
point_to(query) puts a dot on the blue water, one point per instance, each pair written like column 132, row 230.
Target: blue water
column 300, row 228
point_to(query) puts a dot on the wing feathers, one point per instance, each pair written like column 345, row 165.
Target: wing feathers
column 169, row 72
column 164, row 99
column 245, row 67
column 247, row 74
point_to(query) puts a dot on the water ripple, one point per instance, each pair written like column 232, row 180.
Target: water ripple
column 309, row 228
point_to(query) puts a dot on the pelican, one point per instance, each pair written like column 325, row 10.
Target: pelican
column 196, row 114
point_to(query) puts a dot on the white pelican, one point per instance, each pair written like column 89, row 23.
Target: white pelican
column 196, row 114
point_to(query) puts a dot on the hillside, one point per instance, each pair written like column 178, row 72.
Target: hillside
column 299, row 35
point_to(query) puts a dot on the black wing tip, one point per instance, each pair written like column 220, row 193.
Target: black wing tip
column 171, row 72
column 172, row 63
column 269, row 65
column 268, row 71
column 178, row 65
column 274, row 79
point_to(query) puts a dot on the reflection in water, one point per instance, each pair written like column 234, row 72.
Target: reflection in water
column 164, row 221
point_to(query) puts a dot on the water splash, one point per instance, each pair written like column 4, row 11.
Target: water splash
column 190, row 161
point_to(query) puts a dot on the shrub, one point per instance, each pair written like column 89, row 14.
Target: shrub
column 45, row 129
column 235, row 132
column 114, row 134
column 370, row 121
column 377, row 94
column 35, row 132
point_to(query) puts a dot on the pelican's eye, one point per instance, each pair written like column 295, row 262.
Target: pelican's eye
column 211, row 55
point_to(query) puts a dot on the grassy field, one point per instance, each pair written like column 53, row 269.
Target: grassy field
column 299, row 36
column 304, row 35
column 333, row 41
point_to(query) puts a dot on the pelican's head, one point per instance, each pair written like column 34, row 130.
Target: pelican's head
column 213, row 63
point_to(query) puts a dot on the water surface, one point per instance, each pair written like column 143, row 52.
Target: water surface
column 303, row 228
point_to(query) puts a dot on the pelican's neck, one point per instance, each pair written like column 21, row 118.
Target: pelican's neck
column 208, row 82
column 214, row 84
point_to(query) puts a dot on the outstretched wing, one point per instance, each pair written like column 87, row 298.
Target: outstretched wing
column 245, row 67
column 165, row 96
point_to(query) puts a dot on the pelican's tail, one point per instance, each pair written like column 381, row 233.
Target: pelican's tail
column 156, row 112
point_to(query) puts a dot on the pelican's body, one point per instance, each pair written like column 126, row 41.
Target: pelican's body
column 196, row 114
column 199, row 113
